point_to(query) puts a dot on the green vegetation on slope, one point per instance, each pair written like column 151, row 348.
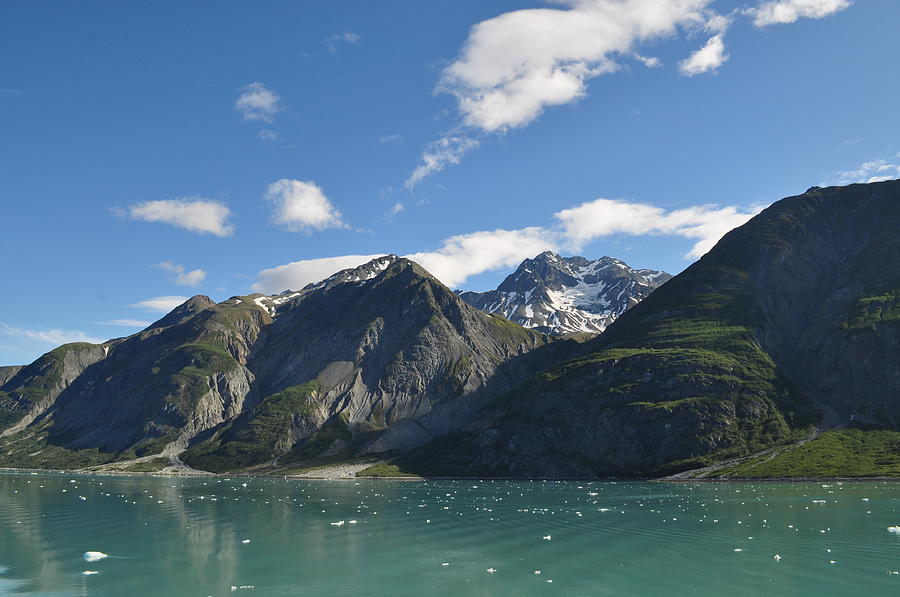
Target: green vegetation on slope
column 842, row 453
column 872, row 311
column 384, row 469
column 30, row 449
column 257, row 438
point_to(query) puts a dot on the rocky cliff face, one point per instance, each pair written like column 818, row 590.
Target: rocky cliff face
column 373, row 359
column 562, row 295
column 790, row 318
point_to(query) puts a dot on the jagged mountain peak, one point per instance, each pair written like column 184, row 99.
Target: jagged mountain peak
column 361, row 273
column 562, row 295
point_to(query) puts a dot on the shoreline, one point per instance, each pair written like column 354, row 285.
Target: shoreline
column 311, row 476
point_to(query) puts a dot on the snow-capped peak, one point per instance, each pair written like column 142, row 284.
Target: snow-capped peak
column 561, row 295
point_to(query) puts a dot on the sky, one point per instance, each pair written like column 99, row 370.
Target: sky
column 153, row 151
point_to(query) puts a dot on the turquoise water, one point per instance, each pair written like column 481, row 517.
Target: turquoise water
column 198, row 537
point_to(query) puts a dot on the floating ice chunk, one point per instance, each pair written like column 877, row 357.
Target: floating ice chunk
column 94, row 556
column 89, row 572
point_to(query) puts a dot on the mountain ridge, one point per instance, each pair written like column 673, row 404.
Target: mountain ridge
column 564, row 295
column 383, row 353
column 790, row 322
column 788, row 326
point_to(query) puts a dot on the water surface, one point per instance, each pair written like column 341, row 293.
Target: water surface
column 198, row 537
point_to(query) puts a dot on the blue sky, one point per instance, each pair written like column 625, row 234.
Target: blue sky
column 156, row 150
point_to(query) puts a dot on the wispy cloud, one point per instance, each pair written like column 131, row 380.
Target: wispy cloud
column 439, row 154
column 160, row 304
column 180, row 275
column 780, row 12
column 127, row 323
column 301, row 206
column 191, row 213
column 258, row 102
column 348, row 37
column 871, row 171
column 50, row 337
column 390, row 139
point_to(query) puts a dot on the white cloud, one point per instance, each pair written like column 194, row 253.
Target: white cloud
column 390, row 139
column 52, row 337
column 871, row 171
column 603, row 217
column 397, row 208
column 446, row 151
column 191, row 213
column 788, row 11
column 648, row 61
column 160, row 304
column 466, row 255
column 514, row 65
column 127, row 323
column 257, row 102
column 181, row 276
column 708, row 58
column 334, row 39
column 267, row 135
column 296, row 275
column 302, row 206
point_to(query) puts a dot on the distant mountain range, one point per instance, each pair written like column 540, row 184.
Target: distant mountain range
column 789, row 325
column 561, row 295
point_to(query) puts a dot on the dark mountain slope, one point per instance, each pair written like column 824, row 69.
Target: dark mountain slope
column 789, row 316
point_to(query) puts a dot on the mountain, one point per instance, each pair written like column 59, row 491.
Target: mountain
column 562, row 295
column 791, row 322
column 373, row 359
column 778, row 352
